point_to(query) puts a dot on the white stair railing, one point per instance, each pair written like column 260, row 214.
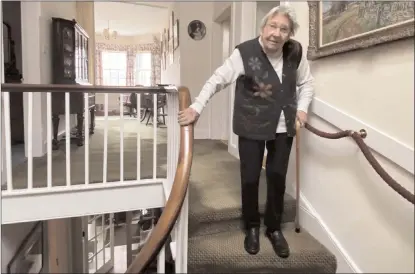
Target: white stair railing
column 179, row 234
column 172, row 143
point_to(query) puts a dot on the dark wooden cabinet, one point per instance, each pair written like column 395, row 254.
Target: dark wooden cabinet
column 12, row 75
column 70, row 67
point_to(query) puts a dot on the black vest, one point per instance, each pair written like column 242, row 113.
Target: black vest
column 259, row 94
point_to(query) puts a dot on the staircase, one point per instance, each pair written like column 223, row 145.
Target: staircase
column 215, row 236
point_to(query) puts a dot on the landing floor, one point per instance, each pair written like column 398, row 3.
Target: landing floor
column 96, row 157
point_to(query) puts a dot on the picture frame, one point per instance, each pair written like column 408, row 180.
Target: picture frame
column 166, row 40
column 196, row 30
column 171, row 51
column 368, row 23
column 162, row 64
column 171, row 23
column 29, row 256
column 176, row 34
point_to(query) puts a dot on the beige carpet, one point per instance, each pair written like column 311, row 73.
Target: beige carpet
column 96, row 157
column 215, row 234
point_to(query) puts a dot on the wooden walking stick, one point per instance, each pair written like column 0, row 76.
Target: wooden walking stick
column 297, row 176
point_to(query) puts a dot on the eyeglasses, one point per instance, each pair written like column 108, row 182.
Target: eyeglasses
column 283, row 29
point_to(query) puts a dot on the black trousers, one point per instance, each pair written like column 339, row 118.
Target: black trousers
column 251, row 154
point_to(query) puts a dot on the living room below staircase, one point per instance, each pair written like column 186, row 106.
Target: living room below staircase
column 215, row 228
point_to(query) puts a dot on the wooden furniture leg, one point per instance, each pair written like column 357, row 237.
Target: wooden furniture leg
column 92, row 125
column 55, row 123
column 80, row 126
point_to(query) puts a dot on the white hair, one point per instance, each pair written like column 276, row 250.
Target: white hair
column 285, row 10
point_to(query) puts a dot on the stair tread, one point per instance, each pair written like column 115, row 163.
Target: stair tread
column 196, row 230
column 222, row 201
column 224, row 251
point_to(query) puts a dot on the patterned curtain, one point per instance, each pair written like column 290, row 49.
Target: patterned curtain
column 156, row 62
column 132, row 51
column 98, row 66
column 130, row 67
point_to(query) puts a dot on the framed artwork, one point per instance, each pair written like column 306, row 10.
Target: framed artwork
column 163, row 65
column 342, row 26
column 163, row 48
column 171, row 52
column 166, row 40
column 171, row 23
column 176, row 34
column 196, row 30
column 29, row 256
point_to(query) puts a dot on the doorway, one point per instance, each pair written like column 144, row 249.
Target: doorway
column 222, row 101
column 226, row 51
column 98, row 243
column 12, row 62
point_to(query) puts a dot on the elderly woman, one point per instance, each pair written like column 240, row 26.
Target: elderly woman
column 267, row 70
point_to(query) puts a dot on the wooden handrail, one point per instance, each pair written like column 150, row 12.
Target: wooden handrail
column 168, row 218
column 83, row 88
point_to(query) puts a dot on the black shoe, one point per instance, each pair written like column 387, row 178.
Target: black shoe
column 279, row 243
column 251, row 242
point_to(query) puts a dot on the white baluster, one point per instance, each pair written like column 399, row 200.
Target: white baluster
column 7, row 129
column 138, row 137
column 68, row 138
column 105, row 165
column 121, row 137
column 49, row 138
column 86, row 136
column 155, row 136
column 161, row 261
column 30, row 142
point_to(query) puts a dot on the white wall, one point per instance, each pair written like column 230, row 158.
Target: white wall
column 372, row 224
column 197, row 57
column 11, row 237
column 192, row 59
column 2, row 124
column 195, row 61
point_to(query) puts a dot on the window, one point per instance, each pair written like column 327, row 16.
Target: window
column 114, row 68
column 143, row 69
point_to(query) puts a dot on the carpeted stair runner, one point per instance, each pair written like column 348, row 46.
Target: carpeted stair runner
column 215, row 235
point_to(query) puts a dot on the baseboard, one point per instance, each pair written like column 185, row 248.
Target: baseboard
column 201, row 133
column 311, row 221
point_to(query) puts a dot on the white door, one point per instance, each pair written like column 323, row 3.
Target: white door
column 225, row 94
column 98, row 243
column 229, row 41
column 139, row 225
column 2, row 125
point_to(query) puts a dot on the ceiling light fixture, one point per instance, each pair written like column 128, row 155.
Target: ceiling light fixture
column 108, row 34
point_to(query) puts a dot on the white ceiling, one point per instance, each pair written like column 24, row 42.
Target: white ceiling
column 132, row 18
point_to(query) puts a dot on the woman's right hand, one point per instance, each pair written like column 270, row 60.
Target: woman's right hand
column 188, row 116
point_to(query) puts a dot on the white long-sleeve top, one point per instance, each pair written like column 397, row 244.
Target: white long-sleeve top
column 233, row 67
